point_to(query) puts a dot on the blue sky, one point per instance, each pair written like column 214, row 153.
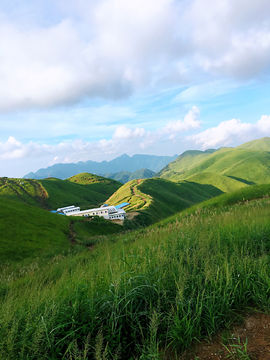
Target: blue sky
column 93, row 79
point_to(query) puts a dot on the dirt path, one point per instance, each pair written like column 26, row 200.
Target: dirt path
column 131, row 215
column 72, row 233
column 136, row 194
column 255, row 329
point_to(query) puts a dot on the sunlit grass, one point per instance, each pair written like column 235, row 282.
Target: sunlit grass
column 138, row 292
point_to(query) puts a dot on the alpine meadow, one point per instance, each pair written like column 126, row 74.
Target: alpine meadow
column 191, row 257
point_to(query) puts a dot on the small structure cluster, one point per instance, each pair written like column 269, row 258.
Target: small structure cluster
column 105, row 211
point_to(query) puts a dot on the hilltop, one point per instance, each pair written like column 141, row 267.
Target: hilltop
column 227, row 168
column 142, row 294
column 155, row 199
column 126, row 176
column 77, row 287
column 85, row 190
column 29, row 230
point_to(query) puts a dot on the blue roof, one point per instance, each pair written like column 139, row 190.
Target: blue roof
column 120, row 206
column 57, row 212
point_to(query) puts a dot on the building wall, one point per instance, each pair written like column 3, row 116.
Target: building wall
column 109, row 213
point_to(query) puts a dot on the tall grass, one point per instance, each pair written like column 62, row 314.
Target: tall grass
column 140, row 292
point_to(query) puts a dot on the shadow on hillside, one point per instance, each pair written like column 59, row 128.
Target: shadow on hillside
column 205, row 188
column 244, row 181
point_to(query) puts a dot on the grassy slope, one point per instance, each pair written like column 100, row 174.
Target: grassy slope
column 126, row 194
column 228, row 169
column 184, row 162
column 169, row 197
column 224, row 183
column 23, row 190
column 84, row 190
column 27, row 231
column 145, row 289
column 238, row 197
column 260, row 144
column 160, row 198
column 126, row 176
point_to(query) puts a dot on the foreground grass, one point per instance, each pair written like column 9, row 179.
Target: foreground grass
column 27, row 231
column 138, row 293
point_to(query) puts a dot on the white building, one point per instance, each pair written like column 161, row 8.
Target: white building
column 68, row 210
column 108, row 212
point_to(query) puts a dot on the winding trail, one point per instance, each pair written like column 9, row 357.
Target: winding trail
column 134, row 188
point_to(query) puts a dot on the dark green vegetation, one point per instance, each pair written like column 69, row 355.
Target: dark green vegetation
column 24, row 191
column 126, row 176
column 84, row 190
column 134, row 295
column 27, row 231
column 227, row 168
column 121, row 163
column 74, row 288
column 156, row 199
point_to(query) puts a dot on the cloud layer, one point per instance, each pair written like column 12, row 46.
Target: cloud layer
column 113, row 48
column 231, row 131
column 137, row 140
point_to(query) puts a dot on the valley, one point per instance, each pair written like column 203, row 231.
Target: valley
column 187, row 264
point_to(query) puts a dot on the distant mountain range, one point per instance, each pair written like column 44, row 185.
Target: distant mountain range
column 227, row 169
column 125, row 163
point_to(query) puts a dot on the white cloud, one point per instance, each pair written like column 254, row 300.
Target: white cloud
column 190, row 122
column 123, row 132
column 230, row 131
column 63, row 63
column 111, row 48
column 231, row 37
column 263, row 125
column 124, row 139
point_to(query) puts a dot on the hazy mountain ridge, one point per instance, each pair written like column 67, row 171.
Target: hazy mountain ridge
column 122, row 163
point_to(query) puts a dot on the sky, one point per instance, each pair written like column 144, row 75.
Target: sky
column 94, row 79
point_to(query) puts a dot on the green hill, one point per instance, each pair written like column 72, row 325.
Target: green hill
column 126, row 176
column 227, row 168
column 25, row 191
column 140, row 294
column 260, row 144
column 223, row 183
column 155, row 199
column 184, row 162
column 27, row 231
column 84, row 190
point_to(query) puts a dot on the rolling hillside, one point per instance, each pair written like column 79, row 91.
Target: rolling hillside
column 28, row 232
column 156, row 199
column 126, row 176
column 227, row 168
column 84, row 190
column 25, row 191
column 142, row 294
